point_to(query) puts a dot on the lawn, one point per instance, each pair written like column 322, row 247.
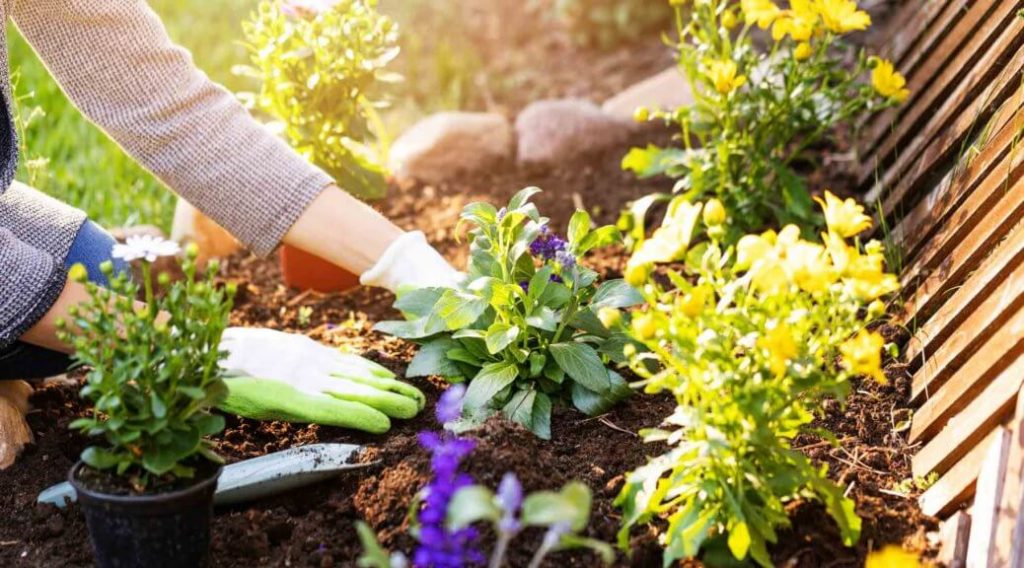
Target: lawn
column 66, row 156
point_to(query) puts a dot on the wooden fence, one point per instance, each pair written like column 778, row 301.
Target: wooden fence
column 946, row 170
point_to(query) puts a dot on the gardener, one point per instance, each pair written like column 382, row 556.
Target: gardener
column 115, row 61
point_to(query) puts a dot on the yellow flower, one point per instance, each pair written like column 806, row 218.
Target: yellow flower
column 641, row 114
column 842, row 16
column 808, row 267
column 889, row 82
column 845, row 218
column 671, row 241
column 749, row 250
column 892, row 556
column 862, row 355
column 803, row 51
column 780, row 346
column 769, row 275
column 644, row 326
column 799, row 22
column 636, row 273
column 78, row 273
column 725, row 76
column 729, row 19
column 761, row 12
column 609, row 316
column 714, row 213
column 692, row 303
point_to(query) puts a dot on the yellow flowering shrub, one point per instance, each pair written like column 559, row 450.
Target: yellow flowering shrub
column 749, row 338
column 760, row 106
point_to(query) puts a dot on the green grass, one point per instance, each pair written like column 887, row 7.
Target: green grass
column 71, row 159
column 66, row 156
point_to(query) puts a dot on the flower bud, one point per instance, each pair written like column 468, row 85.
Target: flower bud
column 876, row 309
column 641, row 114
column 729, row 19
column 78, row 273
column 191, row 251
column 644, row 326
column 803, row 51
column 629, row 350
column 714, row 213
column 163, row 279
column 609, row 316
column 636, row 274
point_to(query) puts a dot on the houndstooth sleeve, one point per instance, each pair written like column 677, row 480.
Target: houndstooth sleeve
column 117, row 64
column 30, row 282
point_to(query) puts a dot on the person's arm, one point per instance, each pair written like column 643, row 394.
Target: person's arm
column 31, row 281
column 117, row 64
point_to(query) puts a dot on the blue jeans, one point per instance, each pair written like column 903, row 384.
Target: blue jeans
column 92, row 246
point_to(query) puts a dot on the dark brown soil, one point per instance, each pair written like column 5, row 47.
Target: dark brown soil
column 314, row 527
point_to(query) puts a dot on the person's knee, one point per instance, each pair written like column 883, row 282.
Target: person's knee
column 91, row 248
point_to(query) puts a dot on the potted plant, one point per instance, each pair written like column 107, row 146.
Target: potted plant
column 319, row 63
column 147, row 490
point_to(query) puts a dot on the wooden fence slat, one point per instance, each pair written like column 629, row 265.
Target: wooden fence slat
column 1000, row 349
column 982, row 275
column 990, row 407
column 978, row 324
column 1009, row 506
column 908, row 28
column 963, row 110
column 956, row 486
column 923, row 67
column 920, row 231
column 953, row 537
column 986, row 501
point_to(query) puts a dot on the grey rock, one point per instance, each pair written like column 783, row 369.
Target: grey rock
column 449, row 143
column 553, row 131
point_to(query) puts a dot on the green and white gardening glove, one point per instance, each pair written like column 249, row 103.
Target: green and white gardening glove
column 410, row 263
column 273, row 375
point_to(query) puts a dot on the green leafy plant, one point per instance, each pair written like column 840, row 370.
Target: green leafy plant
column 608, row 23
column 523, row 327
column 153, row 369
column 757, row 112
column 749, row 339
column 321, row 65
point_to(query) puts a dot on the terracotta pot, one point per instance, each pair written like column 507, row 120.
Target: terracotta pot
column 306, row 271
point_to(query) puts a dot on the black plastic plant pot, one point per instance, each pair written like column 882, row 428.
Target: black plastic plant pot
column 152, row 531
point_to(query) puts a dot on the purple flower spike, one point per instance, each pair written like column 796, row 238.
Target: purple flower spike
column 510, row 496
column 501, row 213
column 548, row 244
column 565, row 259
column 439, row 547
column 449, row 407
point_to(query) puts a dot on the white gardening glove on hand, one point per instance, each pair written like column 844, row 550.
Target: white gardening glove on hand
column 410, row 263
column 274, row 375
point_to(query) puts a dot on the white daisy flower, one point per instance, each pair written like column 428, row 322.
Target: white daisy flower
column 146, row 247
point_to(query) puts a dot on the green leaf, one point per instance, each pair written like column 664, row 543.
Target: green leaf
column 209, row 424
column 459, row 309
column 739, row 540
column 592, row 403
column 519, row 408
column 582, row 363
column 616, row 294
column 418, row 302
column 522, row 197
column 540, row 424
column 500, row 335
column 539, row 282
column 414, row 329
column 601, row 548
column 480, row 213
column 579, row 226
column 543, row 318
column 588, row 321
column 469, row 505
column 157, row 405
column 570, row 505
column 463, row 355
column 600, row 237
column 374, row 556
column 99, row 458
column 652, row 160
column 537, row 362
column 432, row 359
column 489, row 382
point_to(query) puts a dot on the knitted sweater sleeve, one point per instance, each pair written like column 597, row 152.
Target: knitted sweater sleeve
column 116, row 63
column 30, row 282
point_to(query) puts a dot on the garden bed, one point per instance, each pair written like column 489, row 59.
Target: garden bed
column 314, row 526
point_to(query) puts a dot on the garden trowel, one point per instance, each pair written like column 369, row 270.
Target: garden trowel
column 260, row 477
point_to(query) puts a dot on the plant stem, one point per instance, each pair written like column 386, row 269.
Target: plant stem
column 538, row 556
column 498, row 556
